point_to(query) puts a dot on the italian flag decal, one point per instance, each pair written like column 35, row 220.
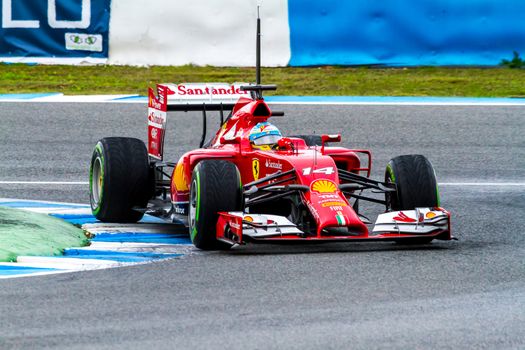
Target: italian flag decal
column 340, row 219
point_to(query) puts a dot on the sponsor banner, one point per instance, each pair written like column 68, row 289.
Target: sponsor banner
column 54, row 29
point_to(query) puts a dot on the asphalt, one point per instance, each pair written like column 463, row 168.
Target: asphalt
column 449, row 295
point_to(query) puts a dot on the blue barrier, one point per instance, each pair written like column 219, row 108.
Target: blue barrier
column 404, row 32
column 329, row 32
column 54, row 28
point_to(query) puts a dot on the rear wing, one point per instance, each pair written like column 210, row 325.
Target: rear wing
column 187, row 97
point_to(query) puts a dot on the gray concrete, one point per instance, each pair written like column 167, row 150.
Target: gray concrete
column 449, row 295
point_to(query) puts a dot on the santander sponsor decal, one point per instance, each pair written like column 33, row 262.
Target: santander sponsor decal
column 203, row 90
column 156, row 117
column 273, row 165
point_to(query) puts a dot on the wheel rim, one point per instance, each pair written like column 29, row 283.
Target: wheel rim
column 96, row 182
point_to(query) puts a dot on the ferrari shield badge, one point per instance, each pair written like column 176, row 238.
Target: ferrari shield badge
column 255, row 169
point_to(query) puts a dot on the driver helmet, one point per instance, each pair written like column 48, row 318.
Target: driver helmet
column 264, row 136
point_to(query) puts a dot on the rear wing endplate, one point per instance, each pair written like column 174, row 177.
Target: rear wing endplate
column 186, row 97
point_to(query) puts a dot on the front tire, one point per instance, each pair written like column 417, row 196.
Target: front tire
column 415, row 180
column 215, row 186
column 416, row 185
column 119, row 179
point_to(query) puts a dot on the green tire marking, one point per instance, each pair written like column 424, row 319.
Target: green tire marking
column 198, row 197
column 193, row 232
column 390, row 173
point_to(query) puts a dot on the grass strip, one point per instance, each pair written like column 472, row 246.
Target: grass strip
column 27, row 233
column 315, row 81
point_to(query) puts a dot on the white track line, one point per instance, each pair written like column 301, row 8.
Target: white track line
column 399, row 103
column 44, row 183
column 64, row 263
column 481, row 184
column 353, row 100
column 516, row 184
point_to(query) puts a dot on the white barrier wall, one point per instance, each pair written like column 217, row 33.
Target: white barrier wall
column 200, row 32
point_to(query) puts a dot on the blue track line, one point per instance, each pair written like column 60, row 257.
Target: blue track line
column 22, row 270
column 90, row 219
column 115, row 256
column 28, row 204
column 76, row 219
column 132, row 98
column 26, row 96
column 137, row 237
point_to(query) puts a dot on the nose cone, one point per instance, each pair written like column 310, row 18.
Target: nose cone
column 330, row 208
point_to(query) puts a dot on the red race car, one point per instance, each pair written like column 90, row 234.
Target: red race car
column 251, row 184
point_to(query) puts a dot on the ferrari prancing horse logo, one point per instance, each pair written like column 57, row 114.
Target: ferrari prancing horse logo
column 255, row 169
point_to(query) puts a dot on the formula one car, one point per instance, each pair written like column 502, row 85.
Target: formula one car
column 232, row 191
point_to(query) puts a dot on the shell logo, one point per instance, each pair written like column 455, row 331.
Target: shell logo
column 431, row 215
column 323, row 186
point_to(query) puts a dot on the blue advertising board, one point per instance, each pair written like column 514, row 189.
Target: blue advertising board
column 54, row 28
column 405, row 32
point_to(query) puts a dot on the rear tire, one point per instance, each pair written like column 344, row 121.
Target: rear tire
column 215, row 186
column 119, row 179
column 310, row 140
column 416, row 184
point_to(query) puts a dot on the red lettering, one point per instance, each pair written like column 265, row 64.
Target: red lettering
column 182, row 89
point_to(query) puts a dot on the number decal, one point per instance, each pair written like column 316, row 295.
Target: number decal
column 328, row 171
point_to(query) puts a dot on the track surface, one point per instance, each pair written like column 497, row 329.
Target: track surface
column 466, row 294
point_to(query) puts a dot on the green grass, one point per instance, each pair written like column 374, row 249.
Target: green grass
column 363, row 81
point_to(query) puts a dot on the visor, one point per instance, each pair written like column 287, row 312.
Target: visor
column 267, row 140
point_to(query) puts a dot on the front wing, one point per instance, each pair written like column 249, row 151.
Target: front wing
column 240, row 228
